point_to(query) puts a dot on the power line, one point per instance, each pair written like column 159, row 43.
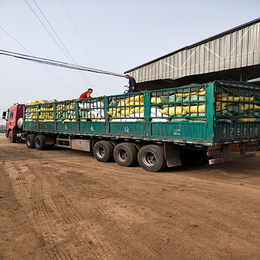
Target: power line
column 43, row 64
column 58, row 63
column 81, row 38
column 70, row 58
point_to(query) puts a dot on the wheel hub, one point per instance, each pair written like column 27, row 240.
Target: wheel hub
column 149, row 159
column 123, row 155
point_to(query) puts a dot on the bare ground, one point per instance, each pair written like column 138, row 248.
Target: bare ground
column 63, row 204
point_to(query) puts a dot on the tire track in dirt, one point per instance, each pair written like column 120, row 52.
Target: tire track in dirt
column 103, row 209
column 85, row 231
column 144, row 211
column 20, row 182
column 34, row 193
column 29, row 191
column 72, row 218
column 72, row 215
column 47, row 222
column 193, row 222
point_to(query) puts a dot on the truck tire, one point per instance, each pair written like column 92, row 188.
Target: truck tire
column 151, row 158
column 125, row 154
column 10, row 137
column 30, row 140
column 103, row 151
column 39, row 142
column 137, row 146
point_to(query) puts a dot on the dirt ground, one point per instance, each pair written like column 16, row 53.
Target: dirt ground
column 63, row 204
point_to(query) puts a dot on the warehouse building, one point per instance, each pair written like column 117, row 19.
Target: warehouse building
column 233, row 55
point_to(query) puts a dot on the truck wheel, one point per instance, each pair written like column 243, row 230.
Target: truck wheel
column 39, row 142
column 103, row 151
column 30, row 140
column 11, row 138
column 125, row 154
column 151, row 158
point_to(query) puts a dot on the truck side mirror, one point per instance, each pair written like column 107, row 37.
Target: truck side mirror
column 4, row 115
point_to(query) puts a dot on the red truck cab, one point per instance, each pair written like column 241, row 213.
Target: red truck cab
column 14, row 120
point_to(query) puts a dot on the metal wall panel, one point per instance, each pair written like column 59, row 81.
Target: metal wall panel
column 237, row 49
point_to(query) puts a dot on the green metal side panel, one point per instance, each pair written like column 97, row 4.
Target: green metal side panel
column 46, row 126
column 128, row 130
column 93, row 128
column 182, row 132
column 70, row 127
column 237, row 131
column 30, row 125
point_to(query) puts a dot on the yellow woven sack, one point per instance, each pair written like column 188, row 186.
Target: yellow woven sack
column 246, row 99
column 218, row 108
column 248, row 106
column 136, row 103
column 111, row 111
column 126, row 111
column 171, row 111
column 114, row 114
column 156, row 100
column 223, row 95
column 244, row 119
column 123, row 103
column 195, row 109
column 137, row 110
column 234, row 99
column 183, row 95
column 138, row 98
column 66, row 121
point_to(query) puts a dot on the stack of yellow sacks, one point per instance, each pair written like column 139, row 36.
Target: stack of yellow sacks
column 224, row 101
column 45, row 113
column 126, row 107
column 179, row 98
column 66, row 112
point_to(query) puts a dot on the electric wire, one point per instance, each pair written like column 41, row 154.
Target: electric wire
column 77, row 31
column 81, row 39
column 58, row 63
column 68, row 55
column 43, row 64
column 82, row 75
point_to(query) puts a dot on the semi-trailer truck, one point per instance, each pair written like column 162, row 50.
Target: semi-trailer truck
column 214, row 122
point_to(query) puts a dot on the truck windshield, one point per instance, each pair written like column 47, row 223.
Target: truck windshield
column 10, row 114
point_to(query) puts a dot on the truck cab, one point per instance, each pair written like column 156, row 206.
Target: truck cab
column 14, row 121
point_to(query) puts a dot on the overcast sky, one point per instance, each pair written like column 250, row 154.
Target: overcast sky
column 111, row 35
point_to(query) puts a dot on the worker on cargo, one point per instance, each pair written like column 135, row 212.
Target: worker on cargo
column 132, row 84
column 86, row 94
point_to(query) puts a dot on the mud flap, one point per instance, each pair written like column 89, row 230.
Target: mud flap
column 172, row 155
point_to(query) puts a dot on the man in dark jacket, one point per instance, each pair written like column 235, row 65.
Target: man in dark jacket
column 132, row 84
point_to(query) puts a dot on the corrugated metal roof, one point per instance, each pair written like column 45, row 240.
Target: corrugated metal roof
column 233, row 49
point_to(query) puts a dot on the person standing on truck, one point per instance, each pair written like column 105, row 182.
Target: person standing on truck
column 132, row 84
column 86, row 94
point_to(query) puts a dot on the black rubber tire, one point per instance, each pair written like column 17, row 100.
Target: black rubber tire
column 10, row 137
column 30, row 140
column 151, row 158
column 192, row 158
column 125, row 154
column 39, row 142
column 103, row 151
column 137, row 146
column 113, row 143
